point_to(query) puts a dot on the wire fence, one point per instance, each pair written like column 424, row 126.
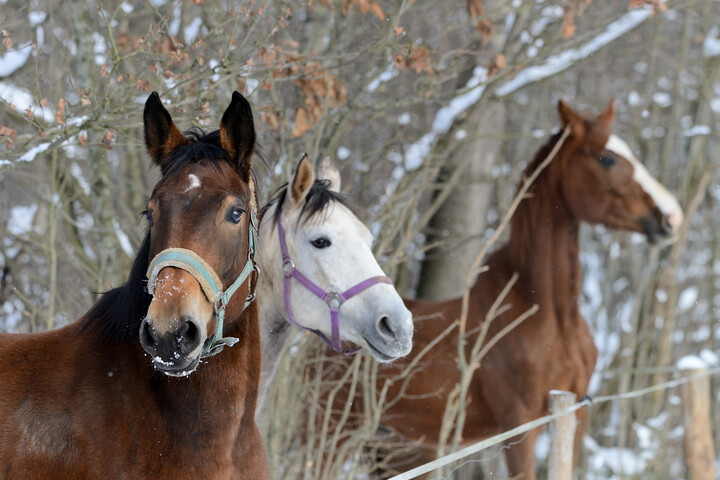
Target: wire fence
column 521, row 429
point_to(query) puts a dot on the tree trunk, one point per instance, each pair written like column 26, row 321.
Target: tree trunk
column 460, row 221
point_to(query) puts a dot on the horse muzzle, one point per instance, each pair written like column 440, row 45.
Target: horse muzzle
column 175, row 352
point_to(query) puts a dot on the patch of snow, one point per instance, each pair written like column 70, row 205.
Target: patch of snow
column 690, row 362
column 12, row 60
column 404, row 118
column 77, row 173
column 461, row 134
column 123, row 239
column 390, row 73
column 21, row 219
column 688, row 298
column 698, row 130
column 36, row 18
column 343, row 153
column 711, row 45
column 663, row 99
column 191, row 30
column 634, row 98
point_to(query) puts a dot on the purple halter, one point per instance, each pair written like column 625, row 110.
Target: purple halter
column 334, row 300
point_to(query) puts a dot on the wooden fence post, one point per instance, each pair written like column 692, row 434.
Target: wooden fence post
column 562, row 436
column 699, row 449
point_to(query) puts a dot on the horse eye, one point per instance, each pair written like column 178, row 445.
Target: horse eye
column 148, row 217
column 322, row 242
column 234, row 215
column 607, row 161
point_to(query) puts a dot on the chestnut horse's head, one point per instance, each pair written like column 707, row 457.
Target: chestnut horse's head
column 200, row 216
column 602, row 181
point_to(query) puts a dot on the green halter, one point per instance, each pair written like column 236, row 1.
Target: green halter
column 211, row 284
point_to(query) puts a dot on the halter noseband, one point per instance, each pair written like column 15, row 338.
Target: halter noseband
column 211, row 284
column 334, row 300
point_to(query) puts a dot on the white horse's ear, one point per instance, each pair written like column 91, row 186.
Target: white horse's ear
column 328, row 171
column 302, row 180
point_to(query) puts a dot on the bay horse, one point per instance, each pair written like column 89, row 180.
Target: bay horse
column 595, row 178
column 316, row 256
column 159, row 378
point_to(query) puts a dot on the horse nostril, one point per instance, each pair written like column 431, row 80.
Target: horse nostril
column 384, row 328
column 148, row 336
column 665, row 223
column 188, row 335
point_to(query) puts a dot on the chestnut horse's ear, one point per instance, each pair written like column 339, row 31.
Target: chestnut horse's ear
column 302, row 180
column 237, row 134
column 608, row 115
column 161, row 134
column 569, row 117
column 328, row 171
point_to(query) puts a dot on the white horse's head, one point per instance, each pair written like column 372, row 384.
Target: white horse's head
column 330, row 247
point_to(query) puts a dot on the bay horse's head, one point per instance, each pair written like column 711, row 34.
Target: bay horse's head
column 324, row 273
column 200, row 216
column 603, row 182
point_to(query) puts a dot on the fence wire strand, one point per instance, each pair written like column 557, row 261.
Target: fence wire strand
column 526, row 427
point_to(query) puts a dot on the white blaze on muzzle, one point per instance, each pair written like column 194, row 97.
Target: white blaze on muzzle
column 665, row 201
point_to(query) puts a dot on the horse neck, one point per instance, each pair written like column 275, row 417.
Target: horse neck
column 217, row 401
column 274, row 324
column 544, row 247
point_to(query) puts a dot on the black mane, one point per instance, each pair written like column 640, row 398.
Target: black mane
column 117, row 315
column 316, row 201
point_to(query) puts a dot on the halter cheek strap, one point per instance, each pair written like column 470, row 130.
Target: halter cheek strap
column 334, row 300
column 211, row 284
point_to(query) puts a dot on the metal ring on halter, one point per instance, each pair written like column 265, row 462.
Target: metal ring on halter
column 334, row 300
column 288, row 267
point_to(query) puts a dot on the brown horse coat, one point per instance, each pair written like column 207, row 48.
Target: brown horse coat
column 589, row 180
column 87, row 402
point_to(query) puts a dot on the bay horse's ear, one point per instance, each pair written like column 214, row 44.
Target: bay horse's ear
column 328, row 171
column 161, row 134
column 302, row 180
column 237, row 134
column 608, row 115
column 569, row 117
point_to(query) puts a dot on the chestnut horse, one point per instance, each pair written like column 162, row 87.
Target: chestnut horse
column 310, row 225
column 593, row 178
column 112, row 394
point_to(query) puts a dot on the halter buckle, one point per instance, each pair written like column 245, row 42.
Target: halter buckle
column 334, row 300
column 288, row 267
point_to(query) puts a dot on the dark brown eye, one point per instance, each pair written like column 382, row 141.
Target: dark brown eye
column 148, row 217
column 321, row 242
column 607, row 161
column 235, row 215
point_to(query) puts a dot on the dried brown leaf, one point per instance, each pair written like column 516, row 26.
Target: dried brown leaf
column 107, row 140
column 60, row 112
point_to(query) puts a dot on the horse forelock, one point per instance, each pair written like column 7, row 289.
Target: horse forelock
column 318, row 199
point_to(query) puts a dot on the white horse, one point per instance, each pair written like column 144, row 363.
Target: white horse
column 317, row 271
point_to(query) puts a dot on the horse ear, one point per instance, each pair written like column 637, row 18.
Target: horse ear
column 569, row 117
column 161, row 134
column 302, row 180
column 328, row 171
column 237, row 134
column 608, row 115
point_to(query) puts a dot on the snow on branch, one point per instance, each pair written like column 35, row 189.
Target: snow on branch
column 564, row 60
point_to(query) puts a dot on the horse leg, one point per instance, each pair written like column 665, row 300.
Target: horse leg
column 520, row 455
